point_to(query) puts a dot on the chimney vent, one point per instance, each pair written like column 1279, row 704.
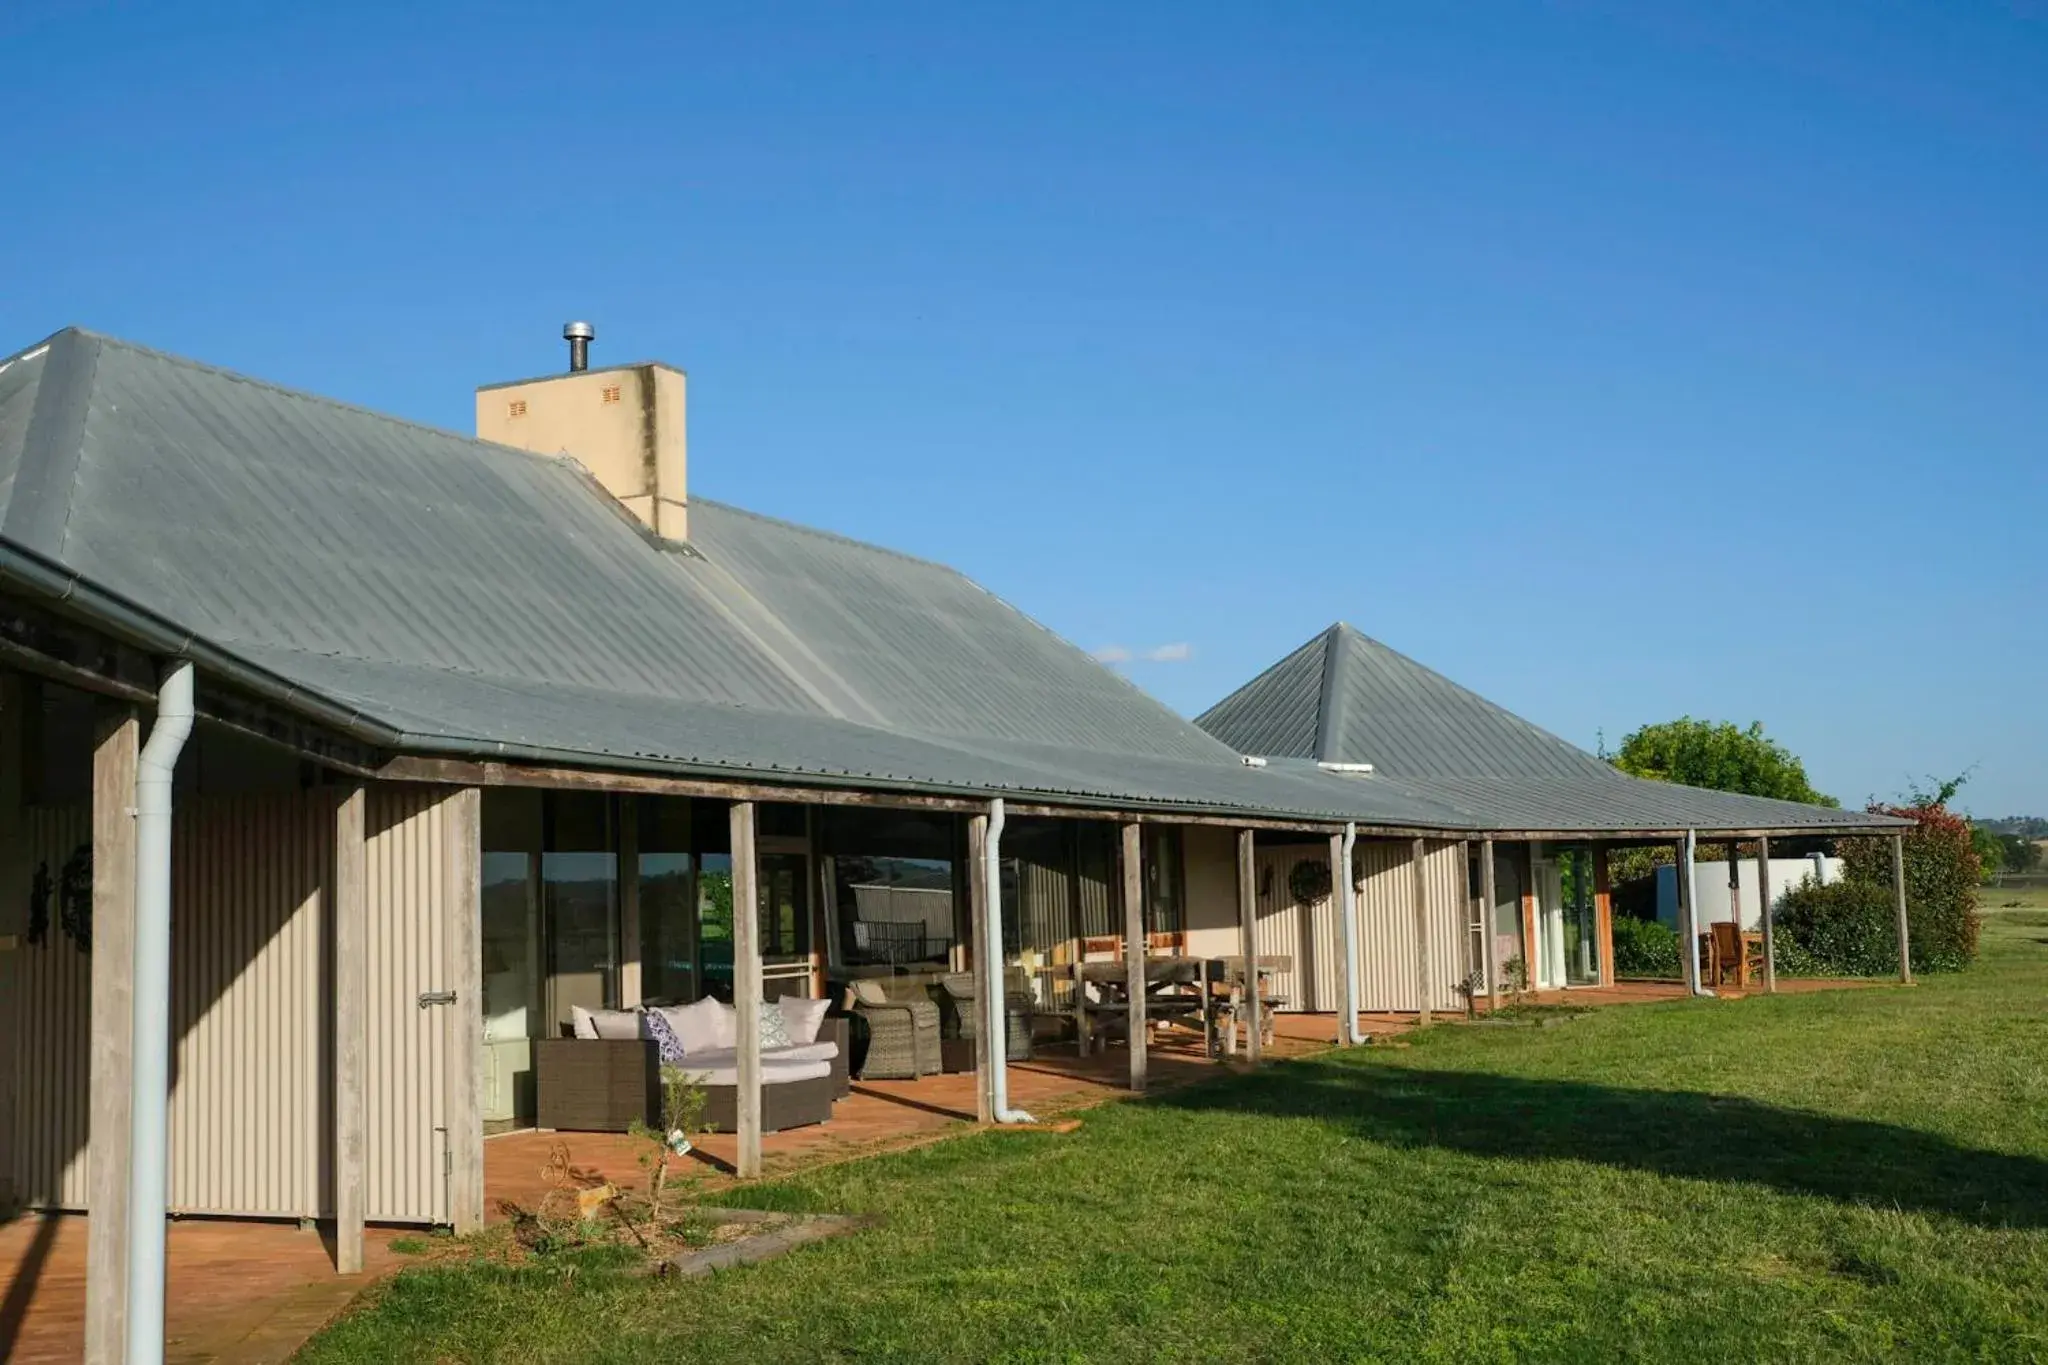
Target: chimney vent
column 579, row 335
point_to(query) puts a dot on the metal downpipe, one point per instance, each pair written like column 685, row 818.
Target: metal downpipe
column 1689, row 947
column 995, row 1012
column 1347, row 936
column 150, row 1042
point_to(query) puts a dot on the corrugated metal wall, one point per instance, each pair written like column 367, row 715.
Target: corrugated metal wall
column 48, row 1047
column 1303, row 932
column 1307, row 933
column 248, row 1113
column 250, row 1104
column 406, row 1053
column 251, row 1119
column 1386, row 921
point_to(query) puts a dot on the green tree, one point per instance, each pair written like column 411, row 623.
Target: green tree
column 2022, row 854
column 1719, row 755
column 1990, row 850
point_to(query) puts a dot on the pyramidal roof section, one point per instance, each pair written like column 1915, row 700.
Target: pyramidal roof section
column 1344, row 697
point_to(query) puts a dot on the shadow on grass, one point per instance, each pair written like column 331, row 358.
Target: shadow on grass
column 1675, row 1133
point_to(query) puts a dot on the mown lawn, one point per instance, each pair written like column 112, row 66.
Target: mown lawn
column 1850, row 1176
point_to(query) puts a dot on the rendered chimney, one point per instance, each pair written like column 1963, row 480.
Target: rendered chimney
column 624, row 423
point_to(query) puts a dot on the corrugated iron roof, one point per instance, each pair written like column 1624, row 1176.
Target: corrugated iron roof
column 476, row 599
column 480, row 598
column 1344, row 697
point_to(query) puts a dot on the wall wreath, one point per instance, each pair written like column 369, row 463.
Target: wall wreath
column 1309, row 881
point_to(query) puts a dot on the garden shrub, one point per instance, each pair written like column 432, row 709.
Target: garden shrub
column 1942, row 873
column 1794, row 960
column 1846, row 928
column 1644, row 947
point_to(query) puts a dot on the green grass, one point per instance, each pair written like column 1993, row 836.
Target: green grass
column 1857, row 1175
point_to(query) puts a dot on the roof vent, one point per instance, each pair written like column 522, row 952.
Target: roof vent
column 1253, row 761
column 579, row 335
column 1345, row 767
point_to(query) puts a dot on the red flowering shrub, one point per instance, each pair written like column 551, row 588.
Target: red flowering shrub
column 1942, row 872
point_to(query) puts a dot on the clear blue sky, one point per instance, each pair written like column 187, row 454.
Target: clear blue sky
column 1618, row 364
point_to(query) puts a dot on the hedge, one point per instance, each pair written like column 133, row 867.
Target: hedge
column 1644, row 947
column 1942, row 872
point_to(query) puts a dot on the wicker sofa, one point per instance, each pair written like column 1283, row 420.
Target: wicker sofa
column 600, row 1085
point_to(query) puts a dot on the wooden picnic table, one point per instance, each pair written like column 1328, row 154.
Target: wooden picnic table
column 1217, row 992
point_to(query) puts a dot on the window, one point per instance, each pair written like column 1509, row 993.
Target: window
column 892, row 887
column 1165, row 892
column 668, row 901
column 579, row 872
column 893, row 911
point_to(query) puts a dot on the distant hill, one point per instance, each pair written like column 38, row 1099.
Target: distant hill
column 2026, row 826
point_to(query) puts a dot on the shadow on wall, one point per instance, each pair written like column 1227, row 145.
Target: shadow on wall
column 1675, row 1133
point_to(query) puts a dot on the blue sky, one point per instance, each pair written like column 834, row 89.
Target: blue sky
column 1618, row 361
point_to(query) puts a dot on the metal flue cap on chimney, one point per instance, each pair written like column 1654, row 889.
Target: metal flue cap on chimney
column 579, row 335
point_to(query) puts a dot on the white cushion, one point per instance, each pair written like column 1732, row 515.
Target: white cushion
column 616, row 1025
column 697, row 1026
column 718, row 1069
column 580, row 1022
column 803, row 1017
column 804, row 1052
column 728, row 1020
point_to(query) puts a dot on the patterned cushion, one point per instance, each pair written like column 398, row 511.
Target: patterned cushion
column 774, row 1028
column 665, row 1041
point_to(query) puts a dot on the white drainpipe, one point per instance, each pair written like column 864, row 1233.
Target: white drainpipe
column 996, row 1014
column 1347, row 935
column 1689, row 947
column 150, row 1045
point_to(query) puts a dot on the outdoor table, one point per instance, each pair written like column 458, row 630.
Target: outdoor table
column 1166, row 995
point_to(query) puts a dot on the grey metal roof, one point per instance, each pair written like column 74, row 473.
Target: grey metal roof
column 479, row 599
column 1344, row 697
column 462, row 597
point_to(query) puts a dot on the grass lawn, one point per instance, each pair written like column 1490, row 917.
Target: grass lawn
column 1852, row 1175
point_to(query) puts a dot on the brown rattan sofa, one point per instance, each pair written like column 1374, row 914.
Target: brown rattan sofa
column 597, row 1085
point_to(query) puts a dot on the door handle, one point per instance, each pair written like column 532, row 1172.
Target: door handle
column 436, row 998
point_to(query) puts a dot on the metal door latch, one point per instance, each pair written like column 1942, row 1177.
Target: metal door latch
column 436, row 998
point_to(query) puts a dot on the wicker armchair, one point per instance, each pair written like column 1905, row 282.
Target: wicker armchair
column 903, row 1033
column 960, row 1019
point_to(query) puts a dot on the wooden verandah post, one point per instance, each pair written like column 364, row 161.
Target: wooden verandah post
column 1134, row 949
column 1763, row 901
column 746, row 986
column 1248, row 938
column 351, row 1005
column 993, row 1024
column 1899, row 897
column 464, row 843
column 1489, row 894
column 1425, row 968
column 116, row 752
